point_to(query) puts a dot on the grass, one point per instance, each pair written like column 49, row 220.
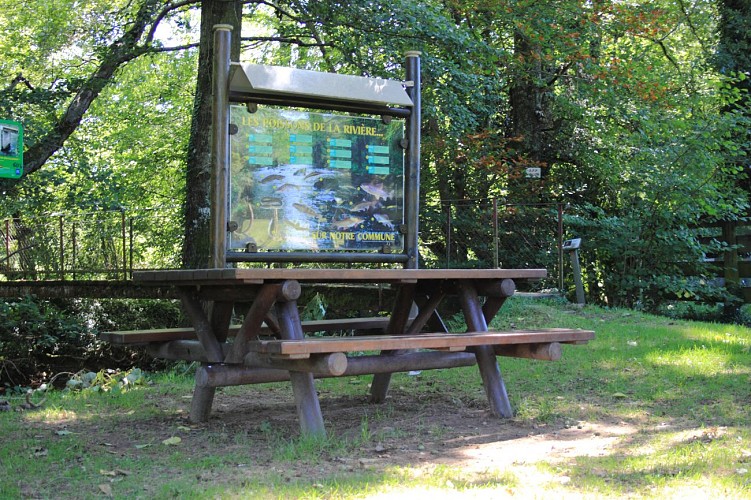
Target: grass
column 664, row 402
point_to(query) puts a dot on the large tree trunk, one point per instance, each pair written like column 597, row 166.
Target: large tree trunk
column 733, row 58
column 197, row 206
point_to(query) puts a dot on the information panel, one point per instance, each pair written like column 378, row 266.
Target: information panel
column 315, row 181
column 11, row 149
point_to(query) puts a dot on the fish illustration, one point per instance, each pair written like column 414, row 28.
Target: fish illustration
column 271, row 178
column 326, row 197
column 384, row 220
column 315, row 173
column 295, row 225
column 326, row 183
column 376, row 190
column 287, row 187
column 271, row 201
column 299, row 172
column 348, row 223
column 364, row 206
column 307, row 210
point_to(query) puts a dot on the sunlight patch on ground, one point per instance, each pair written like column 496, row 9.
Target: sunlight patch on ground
column 520, row 459
column 593, row 439
column 51, row 416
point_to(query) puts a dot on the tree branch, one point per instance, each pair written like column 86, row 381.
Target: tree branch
column 20, row 79
column 281, row 39
column 119, row 52
column 164, row 12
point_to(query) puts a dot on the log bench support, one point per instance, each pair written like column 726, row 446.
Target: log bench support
column 495, row 388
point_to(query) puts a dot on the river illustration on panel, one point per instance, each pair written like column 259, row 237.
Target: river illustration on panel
column 314, row 181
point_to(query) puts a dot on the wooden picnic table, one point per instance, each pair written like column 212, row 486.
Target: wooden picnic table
column 270, row 344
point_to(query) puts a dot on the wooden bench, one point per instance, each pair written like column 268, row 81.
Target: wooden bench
column 272, row 360
column 327, row 356
column 145, row 337
column 438, row 341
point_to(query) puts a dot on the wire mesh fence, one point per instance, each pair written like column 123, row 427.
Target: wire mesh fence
column 97, row 245
column 483, row 233
column 488, row 233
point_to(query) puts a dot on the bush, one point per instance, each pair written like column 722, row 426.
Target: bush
column 39, row 338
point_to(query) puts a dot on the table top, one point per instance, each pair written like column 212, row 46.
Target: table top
column 261, row 275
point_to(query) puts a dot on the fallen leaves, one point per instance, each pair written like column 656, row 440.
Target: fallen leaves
column 115, row 472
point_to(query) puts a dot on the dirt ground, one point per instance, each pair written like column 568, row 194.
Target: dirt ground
column 425, row 432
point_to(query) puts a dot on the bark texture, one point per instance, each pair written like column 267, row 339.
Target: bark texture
column 198, row 174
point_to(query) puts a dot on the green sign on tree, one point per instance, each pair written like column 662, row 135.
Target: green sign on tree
column 11, row 149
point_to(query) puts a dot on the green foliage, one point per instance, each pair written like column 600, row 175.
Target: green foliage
column 107, row 380
column 36, row 338
column 41, row 338
column 315, row 309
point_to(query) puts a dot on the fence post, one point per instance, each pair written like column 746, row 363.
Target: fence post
column 73, row 242
column 7, row 245
column 62, row 250
column 448, row 235
column 130, row 227
column 495, row 234
column 572, row 247
column 124, row 245
column 560, row 247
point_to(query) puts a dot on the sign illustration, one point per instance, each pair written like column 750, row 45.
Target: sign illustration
column 315, row 181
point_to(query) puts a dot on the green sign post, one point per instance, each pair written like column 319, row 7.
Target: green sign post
column 11, row 149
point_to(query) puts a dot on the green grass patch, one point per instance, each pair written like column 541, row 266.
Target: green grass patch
column 663, row 405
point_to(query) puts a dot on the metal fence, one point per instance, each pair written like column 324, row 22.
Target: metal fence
column 484, row 233
column 97, row 245
column 489, row 233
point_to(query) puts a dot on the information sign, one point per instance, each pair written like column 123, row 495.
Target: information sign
column 315, row 181
column 534, row 173
column 11, row 149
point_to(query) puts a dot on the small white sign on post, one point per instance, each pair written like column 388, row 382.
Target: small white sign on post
column 534, row 173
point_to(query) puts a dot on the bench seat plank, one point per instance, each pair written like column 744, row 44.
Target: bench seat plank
column 169, row 334
column 418, row 341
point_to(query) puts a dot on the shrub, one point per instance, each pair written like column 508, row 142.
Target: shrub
column 39, row 338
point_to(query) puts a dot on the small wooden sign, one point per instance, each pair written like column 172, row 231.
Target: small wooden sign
column 534, row 173
column 11, row 149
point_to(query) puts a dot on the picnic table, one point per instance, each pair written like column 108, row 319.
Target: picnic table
column 270, row 344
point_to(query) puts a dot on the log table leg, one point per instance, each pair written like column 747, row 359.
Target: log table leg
column 379, row 387
column 303, row 386
column 495, row 389
column 259, row 309
column 221, row 317
column 203, row 397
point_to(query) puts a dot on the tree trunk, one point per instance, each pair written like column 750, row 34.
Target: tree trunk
column 733, row 58
column 198, row 175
